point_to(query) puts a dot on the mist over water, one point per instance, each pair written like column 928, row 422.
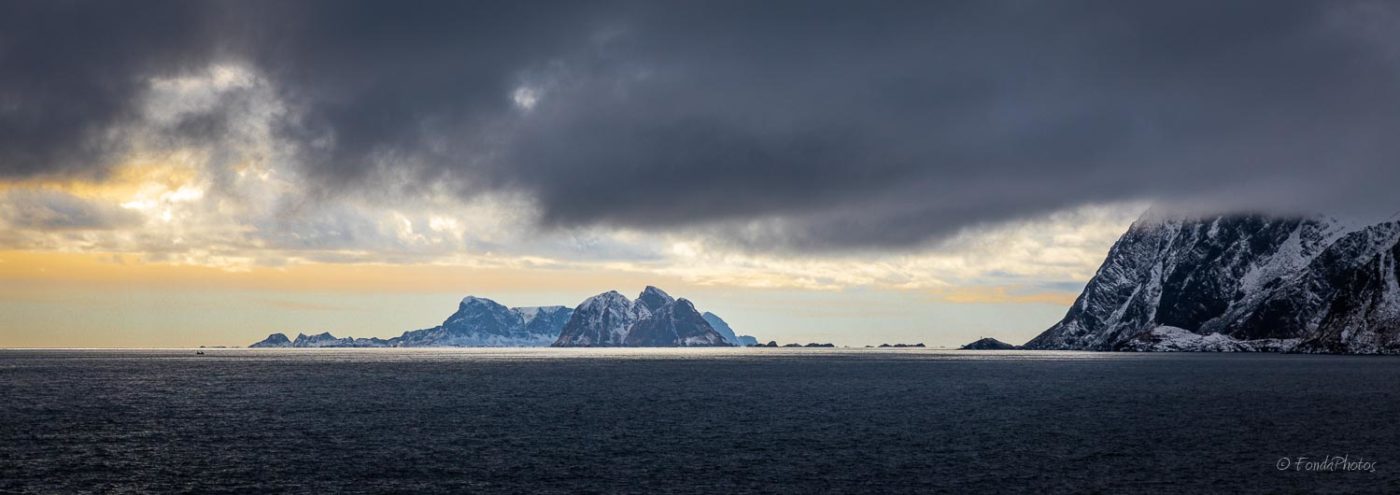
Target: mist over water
column 711, row 421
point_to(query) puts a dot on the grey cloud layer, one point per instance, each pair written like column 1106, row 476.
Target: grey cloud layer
column 56, row 211
column 808, row 125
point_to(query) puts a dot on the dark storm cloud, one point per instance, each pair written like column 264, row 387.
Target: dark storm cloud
column 832, row 125
column 70, row 71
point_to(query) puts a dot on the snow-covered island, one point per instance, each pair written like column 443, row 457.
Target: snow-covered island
column 610, row 319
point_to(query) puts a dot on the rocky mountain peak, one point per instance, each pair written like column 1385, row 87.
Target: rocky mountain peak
column 653, row 298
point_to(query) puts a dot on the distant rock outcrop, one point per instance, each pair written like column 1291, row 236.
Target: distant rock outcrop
column 989, row 344
column 478, row 322
column 274, row 340
column 325, row 339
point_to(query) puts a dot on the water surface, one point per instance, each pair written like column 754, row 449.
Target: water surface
column 698, row 421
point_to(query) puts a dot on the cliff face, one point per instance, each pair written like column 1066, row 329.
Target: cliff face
column 675, row 324
column 1240, row 283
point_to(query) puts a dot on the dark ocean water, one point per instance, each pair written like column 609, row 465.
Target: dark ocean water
column 716, row 421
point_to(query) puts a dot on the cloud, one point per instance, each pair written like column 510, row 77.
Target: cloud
column 59, row 211
column 1003, row 295
column 1051, row 253
column 73, row 71
column 824, row 127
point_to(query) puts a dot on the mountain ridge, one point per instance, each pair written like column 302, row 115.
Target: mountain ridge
column 482, row 322
column 1238, row 283
column 654, row 319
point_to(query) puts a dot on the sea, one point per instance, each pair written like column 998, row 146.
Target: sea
column 694, row 421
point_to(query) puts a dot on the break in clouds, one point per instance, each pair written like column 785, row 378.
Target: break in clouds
column 808, row 126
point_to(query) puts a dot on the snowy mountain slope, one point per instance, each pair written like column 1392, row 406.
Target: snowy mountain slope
column 545, row 320
column 601, row 321
column 1240, row 283
column 722, row 327
column 655, row 319
column 481, row 322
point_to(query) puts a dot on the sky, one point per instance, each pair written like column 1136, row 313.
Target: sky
column 205, row 173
